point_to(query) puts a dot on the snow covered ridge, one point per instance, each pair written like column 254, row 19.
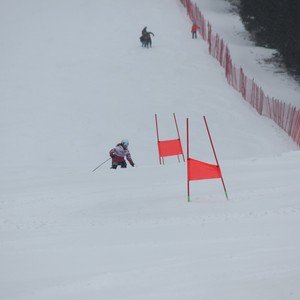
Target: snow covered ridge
column 286, row 116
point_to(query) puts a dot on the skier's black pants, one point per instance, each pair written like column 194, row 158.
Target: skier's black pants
column 122, row 163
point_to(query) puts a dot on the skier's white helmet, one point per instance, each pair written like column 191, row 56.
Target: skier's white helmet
column 125, row 142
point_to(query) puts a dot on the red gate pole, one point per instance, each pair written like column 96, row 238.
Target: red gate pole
column 178, row 136
column 188, row 156
column 213, row 148
column 156, row 123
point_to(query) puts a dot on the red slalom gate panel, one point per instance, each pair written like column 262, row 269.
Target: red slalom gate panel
column 199, row 170
column 169, row 147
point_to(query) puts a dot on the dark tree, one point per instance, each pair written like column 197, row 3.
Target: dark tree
column 275, row 24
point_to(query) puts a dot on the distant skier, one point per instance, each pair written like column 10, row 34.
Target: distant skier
column 146, row 38
column 194, row 31
column 119, row 153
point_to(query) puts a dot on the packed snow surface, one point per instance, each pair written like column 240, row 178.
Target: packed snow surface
column 74, row 81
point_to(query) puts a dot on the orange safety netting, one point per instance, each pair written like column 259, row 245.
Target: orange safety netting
column 285, row 115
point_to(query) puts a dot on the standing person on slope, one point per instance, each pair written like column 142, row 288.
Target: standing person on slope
column 119, row 153
column 194, row 31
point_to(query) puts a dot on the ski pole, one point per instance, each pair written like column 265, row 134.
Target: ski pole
column 101, row 164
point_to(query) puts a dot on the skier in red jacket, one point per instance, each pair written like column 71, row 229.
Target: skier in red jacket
column 119, row 153
column 194, row 31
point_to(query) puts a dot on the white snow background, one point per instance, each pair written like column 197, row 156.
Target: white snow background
column 74, row 81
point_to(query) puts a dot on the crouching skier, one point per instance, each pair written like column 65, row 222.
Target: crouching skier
column 119, row 153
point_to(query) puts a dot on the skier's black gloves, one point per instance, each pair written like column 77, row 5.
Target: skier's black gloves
column 132, row 164
column 112, row 155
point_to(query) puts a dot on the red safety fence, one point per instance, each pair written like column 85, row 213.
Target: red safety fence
column 284, row 115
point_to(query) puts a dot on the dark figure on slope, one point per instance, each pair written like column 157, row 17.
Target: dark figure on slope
column 119, row 153
column 146, row 38
column 144, row 30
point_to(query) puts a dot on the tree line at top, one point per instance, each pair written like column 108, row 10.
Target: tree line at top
column 274, row 24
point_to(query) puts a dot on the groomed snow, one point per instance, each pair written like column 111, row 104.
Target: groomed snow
column 74, row 81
